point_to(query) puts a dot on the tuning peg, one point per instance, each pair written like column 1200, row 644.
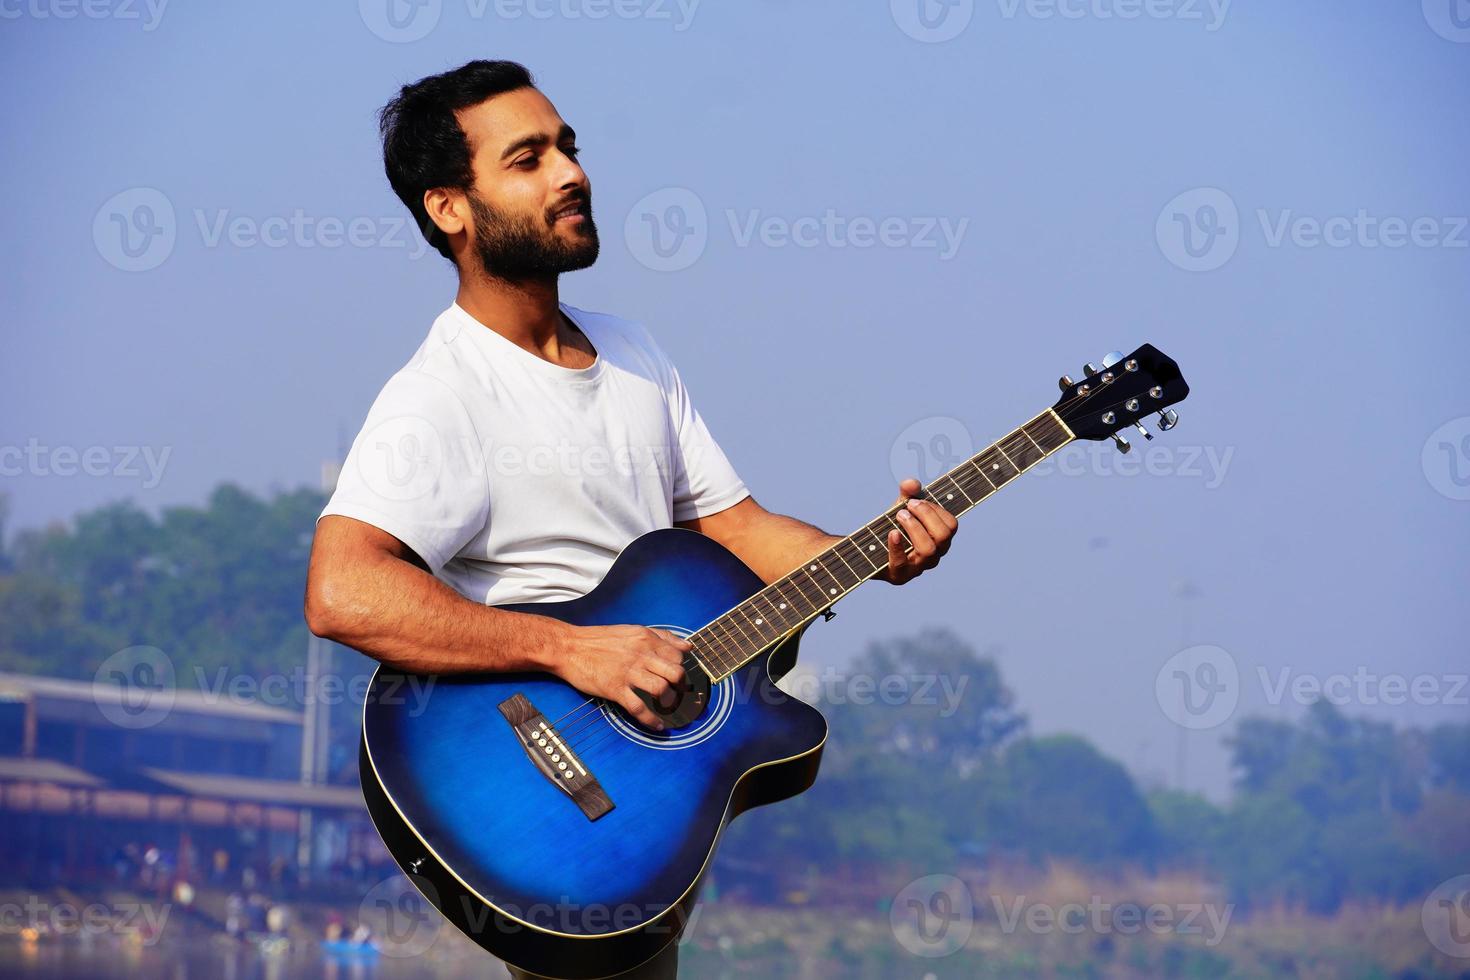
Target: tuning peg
column 1065, row 382
column 1168, row 418
column 1090, row 369
column 1142, row 431
column 1112, row 357
column 1123, row 444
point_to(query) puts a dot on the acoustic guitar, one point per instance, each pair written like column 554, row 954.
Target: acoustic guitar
column 570, row 841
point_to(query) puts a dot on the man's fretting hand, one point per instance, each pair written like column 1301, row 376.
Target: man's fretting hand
column 930, row 529
column 610, row 661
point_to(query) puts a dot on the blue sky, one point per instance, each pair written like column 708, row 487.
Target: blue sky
column 877, row 229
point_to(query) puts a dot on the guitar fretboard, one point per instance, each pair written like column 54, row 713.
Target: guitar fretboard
column 735, row 638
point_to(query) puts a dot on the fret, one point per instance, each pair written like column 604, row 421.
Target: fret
column 972, row 481
column 861, row 562
column 1049, row 432
column 767, row 626
column 721, row 655
column 852, row 563
column 1021, row 451
column 802, row 586
column 744, row 639
column 829, row 591
column 892, row 525
column 996, row 467
column 948, row 493
column 782, row 612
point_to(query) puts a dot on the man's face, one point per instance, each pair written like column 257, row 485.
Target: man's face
column 531, row 203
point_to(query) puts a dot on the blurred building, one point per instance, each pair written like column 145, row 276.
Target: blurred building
column 212, row 789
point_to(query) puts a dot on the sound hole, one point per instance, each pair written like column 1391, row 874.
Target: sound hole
column 690, row 699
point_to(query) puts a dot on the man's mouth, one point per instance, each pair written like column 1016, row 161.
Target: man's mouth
column 574, row 212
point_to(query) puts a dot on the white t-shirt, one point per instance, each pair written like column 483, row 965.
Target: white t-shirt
column 518, row 480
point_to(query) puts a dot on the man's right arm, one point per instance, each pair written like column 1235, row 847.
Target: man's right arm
column 368, row 590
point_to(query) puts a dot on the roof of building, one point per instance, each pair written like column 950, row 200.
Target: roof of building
column 17, row 687
column 21, row 770
column 269, row 791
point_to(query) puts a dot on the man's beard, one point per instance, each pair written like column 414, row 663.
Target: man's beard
column 522, row 247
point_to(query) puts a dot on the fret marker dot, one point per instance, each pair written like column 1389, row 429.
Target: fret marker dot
column 872, row 547
column 831, row 591
column 949, row 496
column 812, row 569
column 995, row 466
column 783, row 605
column 759, row 622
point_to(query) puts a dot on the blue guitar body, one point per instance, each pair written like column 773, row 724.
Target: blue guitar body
column 503, row 850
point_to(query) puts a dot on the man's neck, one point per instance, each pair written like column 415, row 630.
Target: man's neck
column 527, row 314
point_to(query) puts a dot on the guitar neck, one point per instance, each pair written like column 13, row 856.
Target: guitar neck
column 737, row 637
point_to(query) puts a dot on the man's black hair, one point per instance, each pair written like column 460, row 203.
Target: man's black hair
column 423, row 144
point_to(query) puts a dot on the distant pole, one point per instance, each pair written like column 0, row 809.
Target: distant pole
column 316, row 716
column 1184, row 591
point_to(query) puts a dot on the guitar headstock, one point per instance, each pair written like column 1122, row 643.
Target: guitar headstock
column 1121, row 393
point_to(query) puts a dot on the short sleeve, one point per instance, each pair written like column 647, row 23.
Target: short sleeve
column 416, row 470
column 704, row 481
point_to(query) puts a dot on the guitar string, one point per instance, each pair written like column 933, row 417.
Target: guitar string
column 587, row 720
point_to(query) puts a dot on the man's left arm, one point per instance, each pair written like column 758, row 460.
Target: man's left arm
column 774, row 544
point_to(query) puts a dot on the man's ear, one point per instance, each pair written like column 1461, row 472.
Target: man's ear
column 447, row 209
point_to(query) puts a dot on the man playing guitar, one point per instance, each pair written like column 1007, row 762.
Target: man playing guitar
column 527, row 442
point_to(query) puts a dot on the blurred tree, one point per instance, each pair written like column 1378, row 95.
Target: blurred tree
column 1059, row 797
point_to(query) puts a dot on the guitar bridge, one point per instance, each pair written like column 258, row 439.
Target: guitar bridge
column 554, row 758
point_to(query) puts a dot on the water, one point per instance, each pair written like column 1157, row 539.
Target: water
column 215, row 960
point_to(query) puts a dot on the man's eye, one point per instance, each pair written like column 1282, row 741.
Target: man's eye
column 525, row 163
